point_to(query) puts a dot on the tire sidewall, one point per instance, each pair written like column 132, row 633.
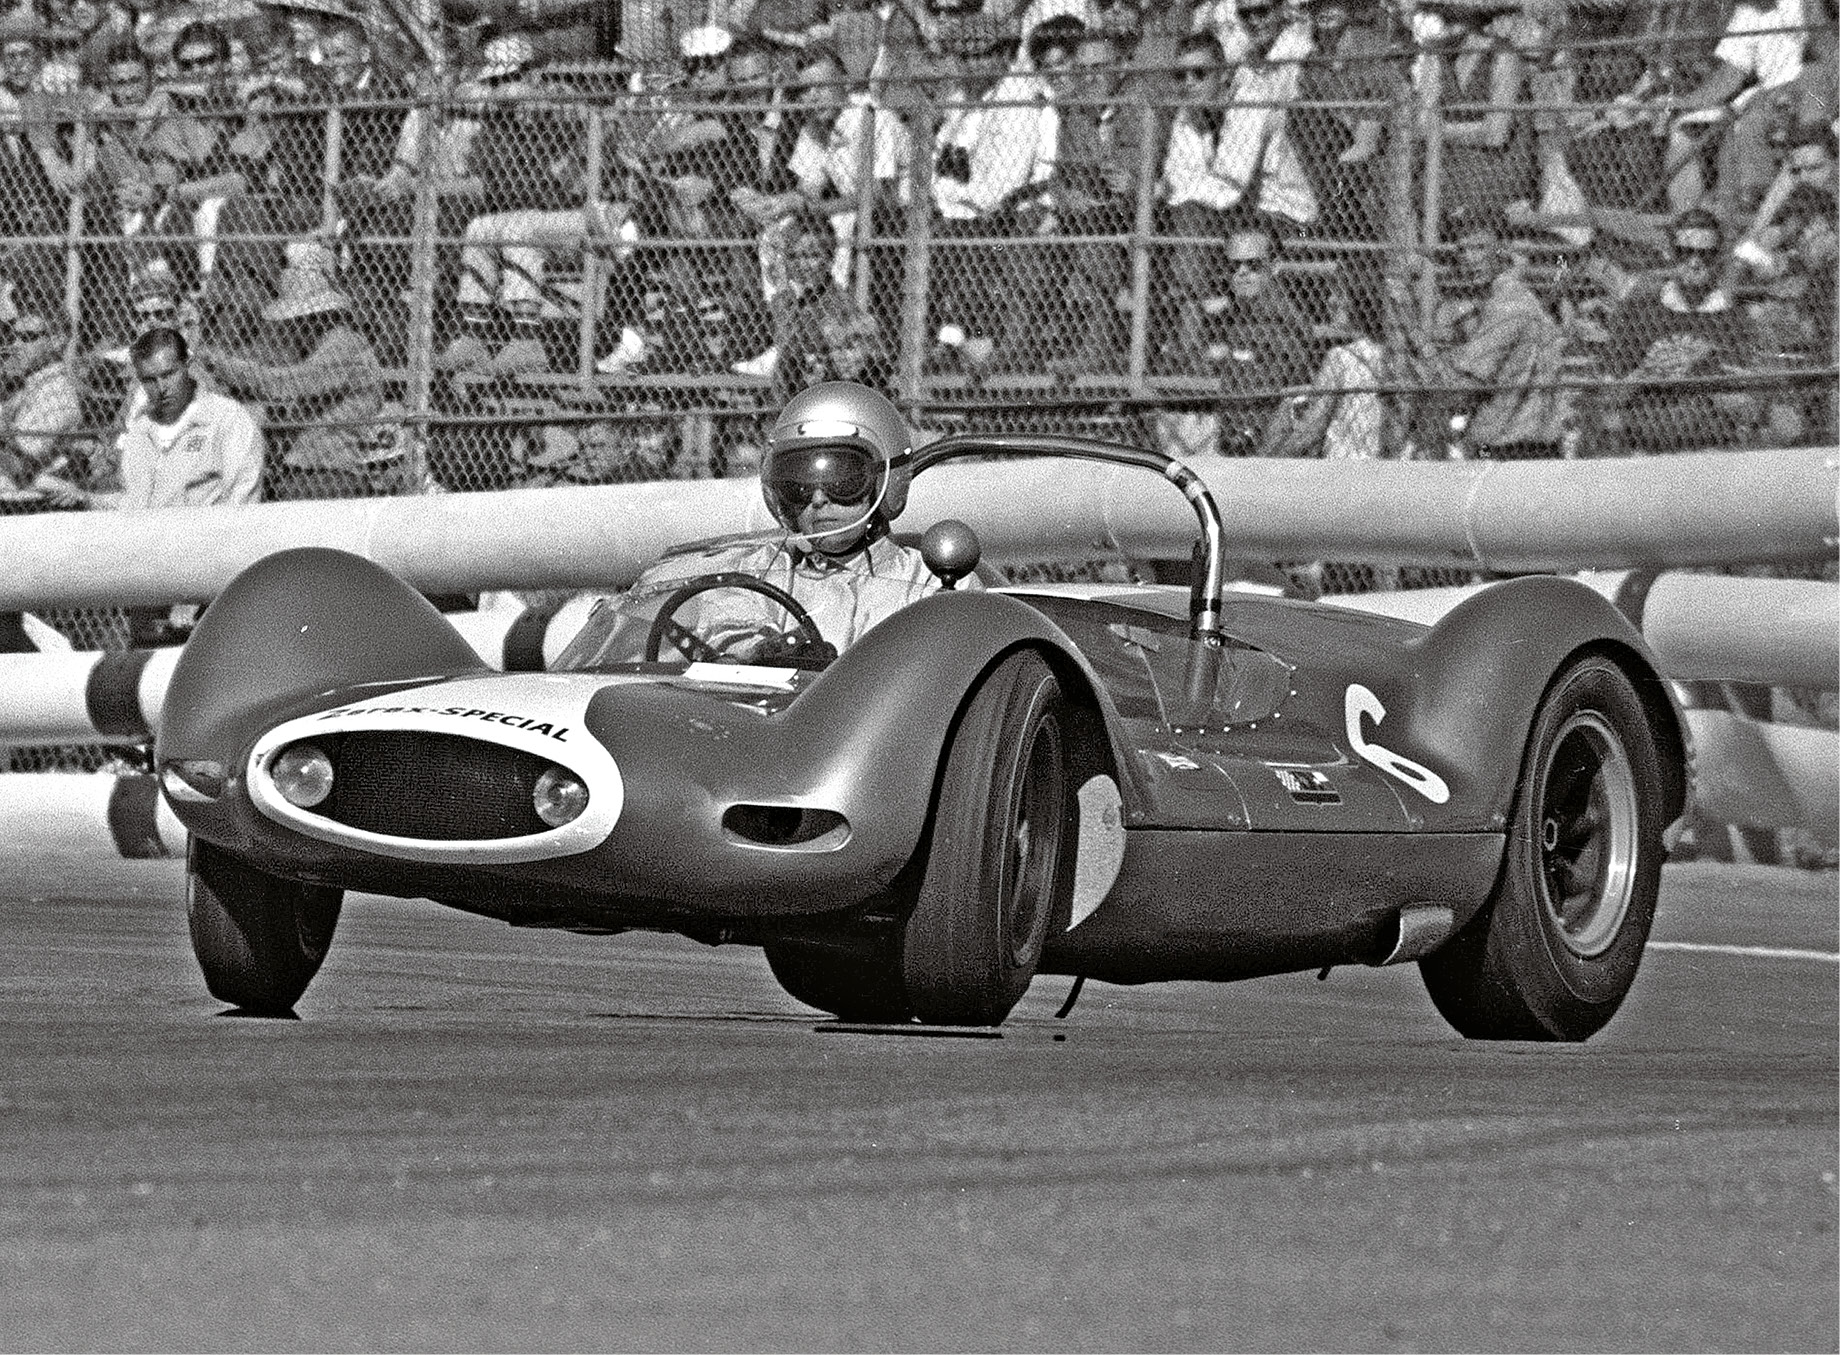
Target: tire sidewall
column 1570, row 994
column 963, row 962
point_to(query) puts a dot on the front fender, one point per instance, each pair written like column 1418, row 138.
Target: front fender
column 900, row 688
column 1477, row 678
column 292, row 626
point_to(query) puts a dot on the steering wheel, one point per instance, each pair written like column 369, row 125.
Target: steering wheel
column 806, row 647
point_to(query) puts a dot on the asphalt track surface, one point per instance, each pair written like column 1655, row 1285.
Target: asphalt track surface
column 476, row 1137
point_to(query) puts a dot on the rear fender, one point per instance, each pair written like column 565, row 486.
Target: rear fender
column 296, row 625
column 1478, row 676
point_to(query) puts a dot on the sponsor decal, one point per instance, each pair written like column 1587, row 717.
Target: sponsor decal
column 1179, row 762
column 1307, row 786
column 490, row 717
column 1360, row 701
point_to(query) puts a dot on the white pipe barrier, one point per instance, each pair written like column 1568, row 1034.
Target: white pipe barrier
column 1764, row 775
column 87, row 813
column 1789, row 636
column 1712, row 627
column 1650, row 512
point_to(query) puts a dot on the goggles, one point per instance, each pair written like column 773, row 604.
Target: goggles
column 791, row 477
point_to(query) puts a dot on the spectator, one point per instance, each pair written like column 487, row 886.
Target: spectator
column 1094, row 193
column 205, row 144
column 819, row 332
column 42, row 409
column 533, row 163
column 716, row 141
column 557, row 30
column 182, row 445
column 1791, row 259
column 371, row 121
column 1728, row 111
column 126, row 206
column 1605, row 75
column 1808, row 172
column 1255, row 161
column 41, row 158
column 995, row 150
column 1475, row 77
column 1676, row 348
column 830, row 153
column 1186, row 185
column 1515, row 351
column 328, row 399
column 1345, row 416
column 1256, row 343
column 605, row 452
column 153, row 299
column 1339, row 127
column 1258, row 339
column 1036, row 331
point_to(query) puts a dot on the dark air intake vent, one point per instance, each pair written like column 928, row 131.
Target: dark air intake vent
column 435, row 786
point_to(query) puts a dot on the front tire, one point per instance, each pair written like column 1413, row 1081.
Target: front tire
column 259, row 939
column 1555, row 950
column 999, row 865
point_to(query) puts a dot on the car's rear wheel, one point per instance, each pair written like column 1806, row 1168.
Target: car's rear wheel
column 1555, row 950
column 999, row 867
column 853, row 981
column 259, row 939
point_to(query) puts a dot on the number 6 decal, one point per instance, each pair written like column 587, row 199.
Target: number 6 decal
column 1360, row 701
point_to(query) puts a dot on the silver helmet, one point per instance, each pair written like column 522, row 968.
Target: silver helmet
column 841, row 437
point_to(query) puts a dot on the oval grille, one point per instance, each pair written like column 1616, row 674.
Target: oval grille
column 437, row 786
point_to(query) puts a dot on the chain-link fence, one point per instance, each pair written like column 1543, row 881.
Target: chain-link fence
column 1473, row 232
column 457, row 261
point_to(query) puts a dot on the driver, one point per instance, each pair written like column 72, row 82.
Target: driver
column 834, row 475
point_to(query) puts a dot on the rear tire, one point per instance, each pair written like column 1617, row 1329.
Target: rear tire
column 259, row 939
column 853, row 981
column 1555, row 950
column 999, row 866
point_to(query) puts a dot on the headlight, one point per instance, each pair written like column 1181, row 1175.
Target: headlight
column 559, row 797
column 303, row 775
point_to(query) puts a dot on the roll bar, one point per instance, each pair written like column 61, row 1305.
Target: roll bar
column 1209, row 582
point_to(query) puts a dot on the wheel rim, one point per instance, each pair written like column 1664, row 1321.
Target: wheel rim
column 1588, row 834
column 1033, row 845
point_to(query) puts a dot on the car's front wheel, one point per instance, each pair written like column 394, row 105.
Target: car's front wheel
column 259, row 939
column 1556, row 948
column 1000, row 864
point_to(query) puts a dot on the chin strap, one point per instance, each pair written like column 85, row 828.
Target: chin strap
column 805, row 547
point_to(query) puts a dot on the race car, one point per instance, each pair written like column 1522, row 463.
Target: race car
column 1118, row 782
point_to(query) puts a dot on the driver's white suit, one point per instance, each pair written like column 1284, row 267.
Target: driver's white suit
column 845, row 595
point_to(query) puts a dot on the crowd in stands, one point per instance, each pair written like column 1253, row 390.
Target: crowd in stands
column 534, row 242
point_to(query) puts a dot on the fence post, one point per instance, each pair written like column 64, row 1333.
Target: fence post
column 334, row 165
column 867, row 196
column 422, row 265
column 73, row 267
column 1401, row 253
column 593, row 279
column 1143, row 224
column 1431, row 126
column 915, row 279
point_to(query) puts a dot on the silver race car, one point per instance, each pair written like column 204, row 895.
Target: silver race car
column 1124, row 783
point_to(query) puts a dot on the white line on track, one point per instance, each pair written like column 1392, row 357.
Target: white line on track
column 1759, row 952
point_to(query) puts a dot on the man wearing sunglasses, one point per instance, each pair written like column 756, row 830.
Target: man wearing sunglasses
column 834, row 476
column 1687, row 351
